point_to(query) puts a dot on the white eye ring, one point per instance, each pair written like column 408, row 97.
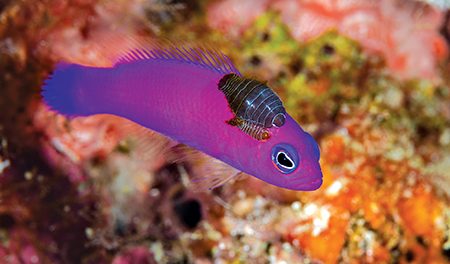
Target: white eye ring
column 288, row 158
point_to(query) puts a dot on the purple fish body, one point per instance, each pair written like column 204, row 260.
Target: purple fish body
column 179, row 97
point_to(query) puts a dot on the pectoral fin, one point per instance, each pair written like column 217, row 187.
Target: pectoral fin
column 205, row 172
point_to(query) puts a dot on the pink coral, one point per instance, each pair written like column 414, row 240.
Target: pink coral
column 139, row 255
column 82, row 138
column 234, row 16
column 70, row 143
column 96, row 38
column 406, row 34
column 19, row 249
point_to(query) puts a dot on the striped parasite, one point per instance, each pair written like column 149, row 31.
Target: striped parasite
column 255, row 105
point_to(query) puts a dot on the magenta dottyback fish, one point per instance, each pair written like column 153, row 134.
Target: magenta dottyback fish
column 197, row 97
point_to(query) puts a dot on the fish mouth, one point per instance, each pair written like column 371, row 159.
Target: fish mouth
column 312, row 178
column 306, row 180
column 310, row 185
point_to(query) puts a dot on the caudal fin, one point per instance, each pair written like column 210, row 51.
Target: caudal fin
column 61, row 90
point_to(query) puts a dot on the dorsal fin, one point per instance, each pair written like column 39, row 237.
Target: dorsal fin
column 200, row 55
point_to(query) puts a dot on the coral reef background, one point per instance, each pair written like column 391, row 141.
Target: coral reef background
column 370, row 80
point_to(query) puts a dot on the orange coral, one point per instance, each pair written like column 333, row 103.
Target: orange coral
column 325, row 246
column 333, row 148
column 420, row 210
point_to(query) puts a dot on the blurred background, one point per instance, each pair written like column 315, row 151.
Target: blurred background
column 369, row 79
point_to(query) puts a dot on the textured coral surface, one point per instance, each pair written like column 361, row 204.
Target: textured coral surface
column 405, row 34
column 369, row 79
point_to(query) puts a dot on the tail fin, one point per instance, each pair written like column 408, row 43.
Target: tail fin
column 61, row 91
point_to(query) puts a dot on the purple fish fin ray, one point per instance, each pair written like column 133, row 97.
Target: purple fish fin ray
column 199, row 55
column 212, row 57
column 135, row 55
column 182, row 56
column 153, row 54
column 205, row 172
column 220, row 61
column 146, row 53
column 141, row 54
column 189, row 54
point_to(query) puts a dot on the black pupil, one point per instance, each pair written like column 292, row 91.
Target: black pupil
column 283, row 160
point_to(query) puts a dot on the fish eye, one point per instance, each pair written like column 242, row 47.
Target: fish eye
column 285, row 158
